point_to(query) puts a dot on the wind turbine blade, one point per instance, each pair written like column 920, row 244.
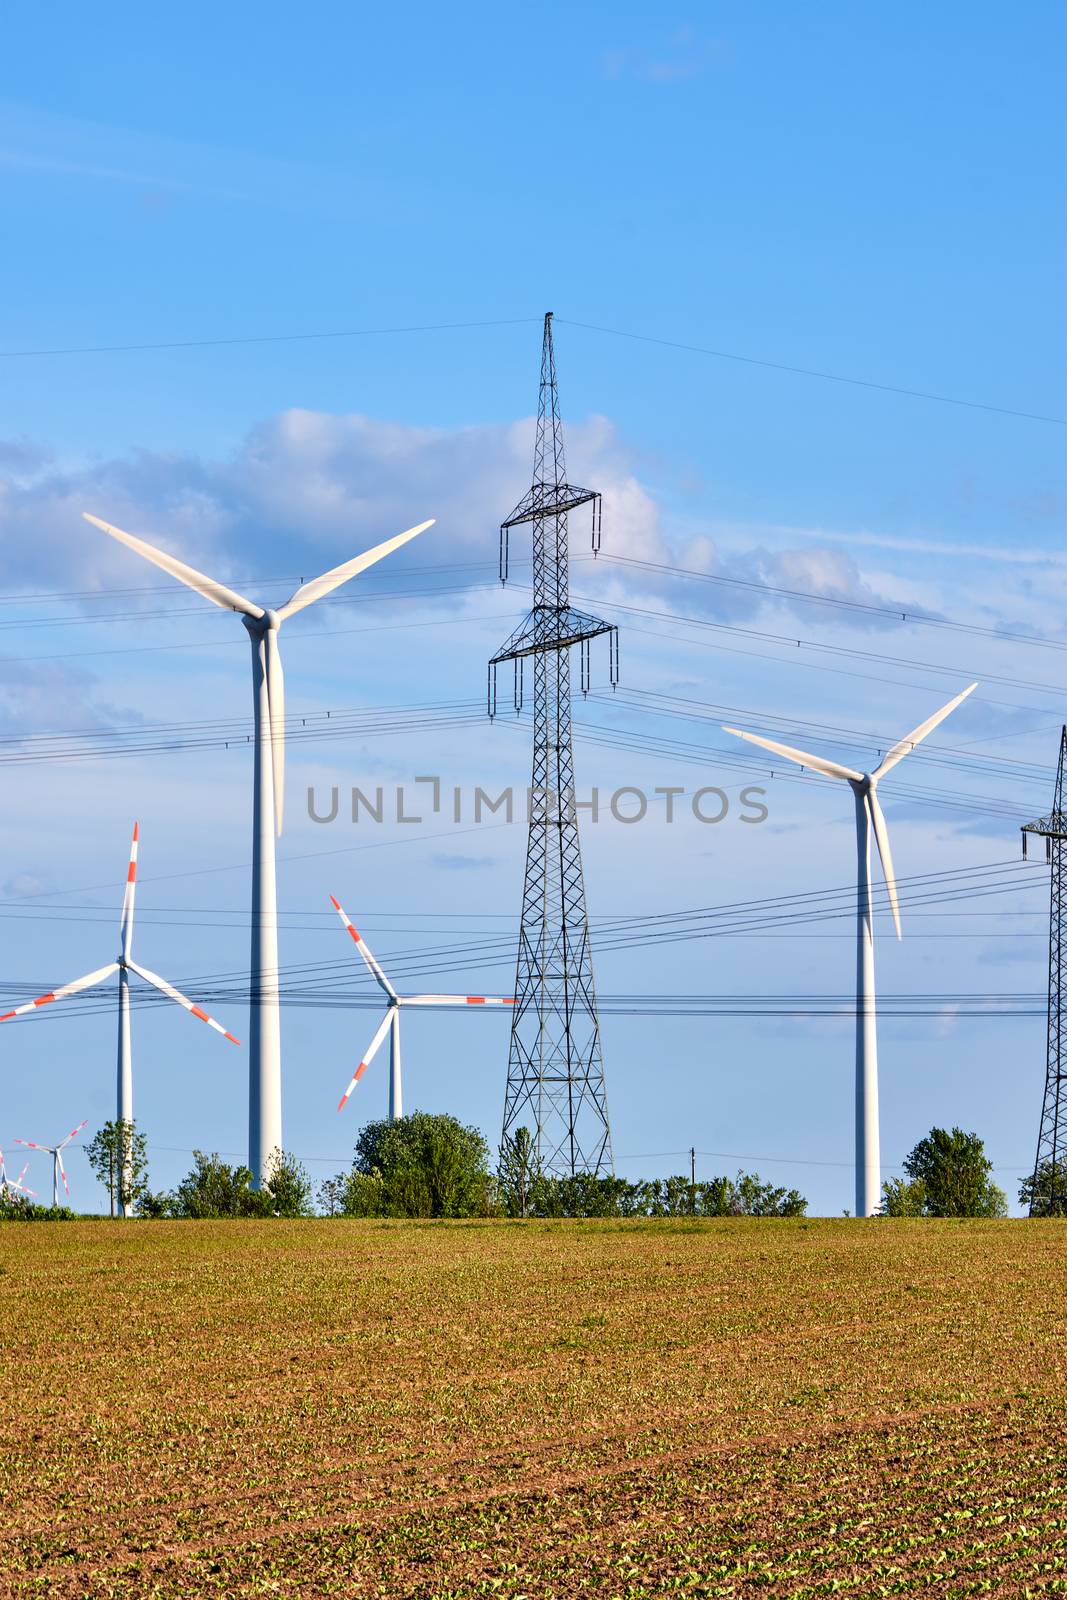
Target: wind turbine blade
column 308, row 593
column 48, row 1149
column 126, row 921
column 63, row 1173
column 881, row 835
column 917, row 735
column 364, row 950
column 831, row 769
column 62, row 993
column 175, row 994
column 276, row 702
column 458, row 1000
column 64, row 1142
column 372, row 1051
column 218, row 593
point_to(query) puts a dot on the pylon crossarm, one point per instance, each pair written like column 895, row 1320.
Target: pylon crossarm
column 550, row 628
column 549, row 500
column 1054, row 826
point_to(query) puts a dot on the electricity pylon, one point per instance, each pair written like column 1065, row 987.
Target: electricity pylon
column 1048, row 1195
column 555, row 1066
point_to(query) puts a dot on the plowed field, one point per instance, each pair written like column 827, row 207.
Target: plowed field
column 542, row 1409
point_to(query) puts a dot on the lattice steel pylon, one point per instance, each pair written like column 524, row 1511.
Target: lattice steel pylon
column 1048, row 1195
column 555, row 1065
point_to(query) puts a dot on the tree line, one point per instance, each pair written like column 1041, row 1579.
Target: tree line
column 426, row 1165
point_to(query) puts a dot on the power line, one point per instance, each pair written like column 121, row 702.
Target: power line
column 260, row 582
column 795, row 642
column 892, row 613
column 813, row 372
column 261, row 338
column 354, row 722
column 227, row 644
column 643, row 932
column 509, row 322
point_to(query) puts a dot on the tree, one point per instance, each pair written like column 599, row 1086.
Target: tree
column 118, row 1155
column 747, row 1196
column 585, row 1195
column 518, row 1171
column 360, row 1194
column 901, row 1198
column 215, row 1189
column 212, row 1188
column 423, row 1165
column 954, row 1173
column 331, row 1196
column 1044, row 1193
column 289, row 1187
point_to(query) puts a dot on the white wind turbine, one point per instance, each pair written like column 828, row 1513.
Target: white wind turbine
column 390, row 1023
column 13, row 1186
column 123, row 966
column 869, row 818
column 56, row 1152
column 268, row 699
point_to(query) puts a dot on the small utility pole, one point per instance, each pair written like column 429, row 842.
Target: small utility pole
column 693, row 1167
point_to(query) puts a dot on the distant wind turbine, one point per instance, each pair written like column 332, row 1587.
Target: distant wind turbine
column 268, row 687
column 123, row 966
column 390, row 1023
column 56, row 1152
column 13, row 1186
column 869, row 818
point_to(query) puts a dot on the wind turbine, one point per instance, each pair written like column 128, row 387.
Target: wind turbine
column 56, row 1152
column 268, row 699
column 390, row 1023
column 13, row 1186
column 869, row 818
column 123, row 966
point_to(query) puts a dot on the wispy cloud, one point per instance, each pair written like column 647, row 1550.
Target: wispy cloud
column 80, row 149
column 454, row 861
column 1007, row 554
column 684, row 55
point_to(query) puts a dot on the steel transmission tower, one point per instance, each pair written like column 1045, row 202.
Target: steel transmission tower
column 555, row 1066
column 1049, row 1194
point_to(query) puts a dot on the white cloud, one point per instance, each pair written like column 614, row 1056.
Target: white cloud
column 304, row 487
column 48, row 697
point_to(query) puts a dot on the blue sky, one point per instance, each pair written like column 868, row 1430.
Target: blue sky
column 876, row 194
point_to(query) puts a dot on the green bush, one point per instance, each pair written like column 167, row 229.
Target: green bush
column 15, row 1209
column 418, row 1166
column 524, row 1190
column 1044, row 1192
column 214, row 1189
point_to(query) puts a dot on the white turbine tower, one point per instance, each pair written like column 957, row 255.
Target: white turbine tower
column 123, row 966
column 268, row 699
column 390, row 1023
column 56, row 1152
column 869, row 818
